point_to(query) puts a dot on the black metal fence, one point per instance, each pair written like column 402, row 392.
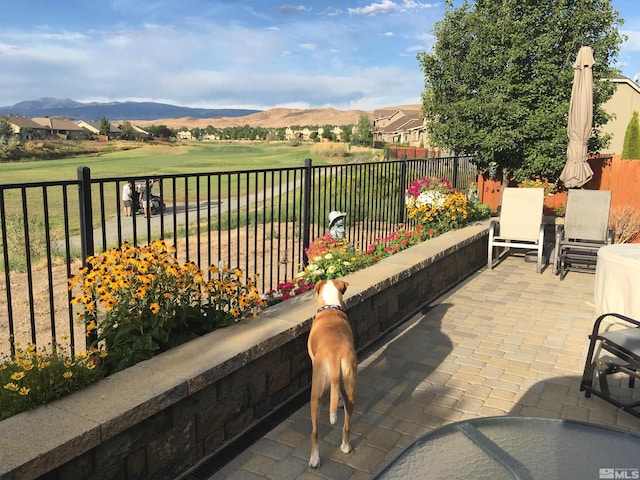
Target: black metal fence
column 258, row 220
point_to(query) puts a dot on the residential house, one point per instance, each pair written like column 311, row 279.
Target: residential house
column 27, row 128
column 305, row 134
column 94, row 128
column 622, row 104
column 141, row 133
column 63, row 128
column 399, row 126
column 336, row 133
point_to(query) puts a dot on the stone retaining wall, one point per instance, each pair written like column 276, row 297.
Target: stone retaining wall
column 161, row 417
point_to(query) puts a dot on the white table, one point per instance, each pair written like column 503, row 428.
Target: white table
column 618, row 280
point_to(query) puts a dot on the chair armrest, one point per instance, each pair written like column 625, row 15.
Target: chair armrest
column 559, row 235
column 596, row 325
column 494, row 228
column 541, row 235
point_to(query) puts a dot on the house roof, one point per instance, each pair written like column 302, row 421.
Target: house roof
column 403, row 123
column 58, row 124
column 24, row 122
column 626, row 81
column 383, row 113
column 95, row 126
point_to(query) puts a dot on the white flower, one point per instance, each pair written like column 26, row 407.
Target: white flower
column 331, row 269
column 328, row 256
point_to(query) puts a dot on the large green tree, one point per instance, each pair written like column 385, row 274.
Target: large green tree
column 498, row 79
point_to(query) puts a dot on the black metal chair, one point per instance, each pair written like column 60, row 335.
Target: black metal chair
column 623, row 345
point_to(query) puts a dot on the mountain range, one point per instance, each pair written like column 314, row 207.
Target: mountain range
column 53, row 107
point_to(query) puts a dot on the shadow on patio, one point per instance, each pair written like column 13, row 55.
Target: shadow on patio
column 504, row 342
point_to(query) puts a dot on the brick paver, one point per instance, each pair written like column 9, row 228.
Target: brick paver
column 505, row 342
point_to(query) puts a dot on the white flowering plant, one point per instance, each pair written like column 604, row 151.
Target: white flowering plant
column 333, row 258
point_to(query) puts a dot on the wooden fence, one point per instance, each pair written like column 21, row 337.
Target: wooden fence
column 609, row 173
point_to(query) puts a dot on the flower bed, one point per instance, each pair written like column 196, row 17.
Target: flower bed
column 140, row 301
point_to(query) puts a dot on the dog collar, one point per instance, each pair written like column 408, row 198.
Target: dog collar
column 330, row 307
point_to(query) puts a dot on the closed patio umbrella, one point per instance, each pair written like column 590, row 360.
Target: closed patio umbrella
column 577, row 171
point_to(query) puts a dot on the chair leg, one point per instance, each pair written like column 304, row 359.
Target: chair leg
column 490, row 257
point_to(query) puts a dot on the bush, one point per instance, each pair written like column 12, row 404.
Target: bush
column 286, row 290
column 148, row 302
column 329, row 149
column 398, row 240
column 631, row 145
column 332, row 258
column 438, row 207
column 31, row 377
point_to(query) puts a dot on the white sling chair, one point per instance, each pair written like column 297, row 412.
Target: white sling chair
column 520, row 224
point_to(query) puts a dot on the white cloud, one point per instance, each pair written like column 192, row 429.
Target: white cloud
column 287, row 9
column 389, row 7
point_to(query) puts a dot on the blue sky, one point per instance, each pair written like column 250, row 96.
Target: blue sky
column 346, row 54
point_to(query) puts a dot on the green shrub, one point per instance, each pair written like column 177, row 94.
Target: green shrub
column 31, row 377
column 141, row 301
column 631, row 146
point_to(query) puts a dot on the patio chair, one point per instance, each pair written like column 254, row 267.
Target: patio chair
column 621, row 349
column 585, row 230
column 520, row 224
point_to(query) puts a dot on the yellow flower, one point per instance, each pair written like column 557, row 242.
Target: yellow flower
column 24, row 391
column 26, row 365
column 67, row 374
column 155, row 308
column 17, row 376
column 43, row 365
column 12, row 387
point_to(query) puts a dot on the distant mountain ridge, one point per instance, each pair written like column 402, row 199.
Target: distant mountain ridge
column 54, row 107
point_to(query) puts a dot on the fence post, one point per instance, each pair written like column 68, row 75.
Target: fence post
column 86, row 226
column 306, row 213
column 456, row 165
column 401, row 190
column 86, row 213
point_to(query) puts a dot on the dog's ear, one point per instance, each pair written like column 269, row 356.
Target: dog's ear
column 342, row 286
column 319, row 286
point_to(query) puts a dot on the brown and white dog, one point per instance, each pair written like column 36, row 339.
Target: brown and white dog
column 334, row 362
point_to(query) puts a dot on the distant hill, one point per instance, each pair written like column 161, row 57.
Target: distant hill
column 53, row 107
column 273, row 118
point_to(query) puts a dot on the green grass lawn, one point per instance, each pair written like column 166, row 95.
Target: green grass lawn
column 146, row 161
column 158, row 159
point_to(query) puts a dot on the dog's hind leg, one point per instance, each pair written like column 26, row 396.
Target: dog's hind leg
column 349, row 399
